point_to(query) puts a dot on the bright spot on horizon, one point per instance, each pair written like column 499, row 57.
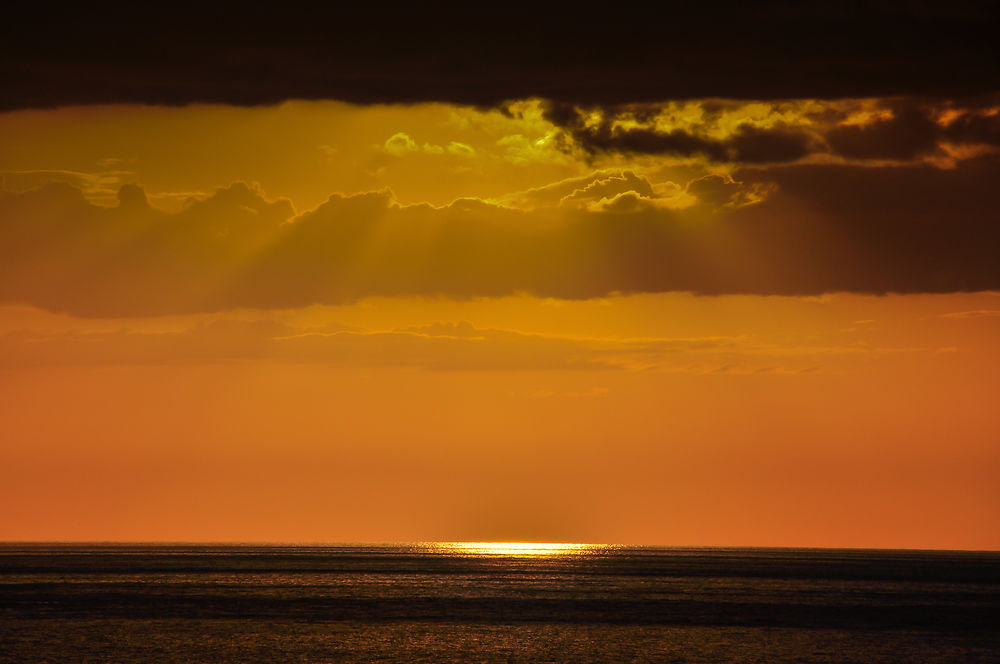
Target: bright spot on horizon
column 513, row 548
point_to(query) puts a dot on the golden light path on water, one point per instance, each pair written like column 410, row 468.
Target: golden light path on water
column 513, row 548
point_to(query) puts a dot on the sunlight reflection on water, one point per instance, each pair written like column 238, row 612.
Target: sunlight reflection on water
column 512, row 548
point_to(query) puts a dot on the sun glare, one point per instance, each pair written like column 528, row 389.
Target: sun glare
column 512, row 548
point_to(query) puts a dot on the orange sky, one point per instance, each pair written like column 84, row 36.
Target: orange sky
column 496, row 345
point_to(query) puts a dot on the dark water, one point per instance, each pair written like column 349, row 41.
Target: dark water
column 437, row 603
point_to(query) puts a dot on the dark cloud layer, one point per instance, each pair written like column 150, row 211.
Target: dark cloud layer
column 747, row 144
column 911, row 128
column 483, row 53
column 819, row 229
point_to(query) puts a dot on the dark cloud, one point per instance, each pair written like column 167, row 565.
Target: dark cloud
column 910, row 133
column 975, row 128
column 818, row 229
column 604, row 136
column 483, row 53
column 906, row 130
column 756, row 146
column 715, row 190
column 747, row 144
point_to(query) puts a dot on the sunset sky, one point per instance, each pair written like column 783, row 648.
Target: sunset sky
column 294, row 287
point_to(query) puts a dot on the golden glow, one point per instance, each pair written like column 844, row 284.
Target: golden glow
column 659, row 418
column 304, row 151
column 513, row 548
column 836, row 421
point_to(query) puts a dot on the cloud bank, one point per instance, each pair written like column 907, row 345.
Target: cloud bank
column 473, row 53
column 872, row 130
column 785, row 230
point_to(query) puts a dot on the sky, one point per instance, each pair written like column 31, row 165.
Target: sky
column 261, row 284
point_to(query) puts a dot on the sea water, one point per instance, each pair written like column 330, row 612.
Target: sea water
column 494, row 603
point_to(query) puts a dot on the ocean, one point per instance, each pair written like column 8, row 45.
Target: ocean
column 64, row 603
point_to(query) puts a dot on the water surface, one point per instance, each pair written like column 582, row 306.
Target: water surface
column 489, row 603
